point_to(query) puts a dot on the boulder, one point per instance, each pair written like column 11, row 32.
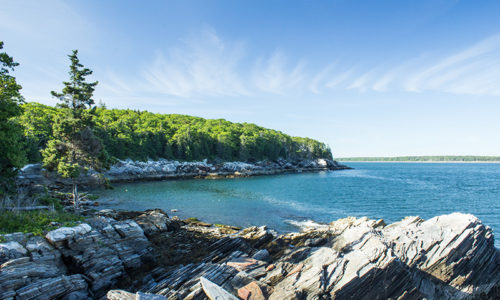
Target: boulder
column 153, row 221
column 11, row 250
column 251, row 291
column 262, row 255
column 59, row 236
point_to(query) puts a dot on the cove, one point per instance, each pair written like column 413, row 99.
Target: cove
column 389, row 191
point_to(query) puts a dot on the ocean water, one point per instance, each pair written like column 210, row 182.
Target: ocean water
column 389, row 191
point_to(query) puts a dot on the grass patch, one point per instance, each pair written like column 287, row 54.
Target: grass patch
column 36, row 222
column 50, row 201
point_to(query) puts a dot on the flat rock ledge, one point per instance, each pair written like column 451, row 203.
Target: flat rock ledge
column 148, row 255
column 129, row 170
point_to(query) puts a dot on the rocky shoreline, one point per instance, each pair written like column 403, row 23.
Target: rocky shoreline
column 148, row 255
column 130, row 171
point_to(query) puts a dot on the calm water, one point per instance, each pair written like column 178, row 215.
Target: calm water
column 378, row 190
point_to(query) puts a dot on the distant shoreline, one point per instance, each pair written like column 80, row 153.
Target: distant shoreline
column 421, row 161
column 425, row 158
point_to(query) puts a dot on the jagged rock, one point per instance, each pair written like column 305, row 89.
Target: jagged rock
column 102, row 253
column 456, row 249
column 409, row 259
column 53, row 288
column 251, row 291
column 153, row 221
column 262, row 255
column 11, row 250
column 447, row 257
column 59, row 236
column 243, row 263
column 257, row 236
column 215, row 292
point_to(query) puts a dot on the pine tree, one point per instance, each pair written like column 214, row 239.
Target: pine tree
column 12, row 156
column 74, row 148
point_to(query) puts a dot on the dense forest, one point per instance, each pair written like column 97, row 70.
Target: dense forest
column 436, row 158
column 142, row 135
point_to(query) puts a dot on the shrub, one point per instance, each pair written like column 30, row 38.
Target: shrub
column 36, row 222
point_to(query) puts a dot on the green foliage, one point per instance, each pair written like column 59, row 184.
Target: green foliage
column 77, row 93
column 36, row 222
column 50, row 201
column 441, row 158
column 141, row 135
column 73, row 147
column 37, row 125
column 12, row 156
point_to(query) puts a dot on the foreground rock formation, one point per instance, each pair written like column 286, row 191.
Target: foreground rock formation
column 147, row 255
column 128, row 170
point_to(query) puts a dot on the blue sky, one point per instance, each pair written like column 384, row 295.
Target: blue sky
column 370, row 78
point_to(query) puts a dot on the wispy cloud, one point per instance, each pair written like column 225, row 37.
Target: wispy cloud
column 317, row 82
column 343, row 77
column 274, row 75
column 473, row 70
column 456, row 67
column 206, row 65
column 203, row 65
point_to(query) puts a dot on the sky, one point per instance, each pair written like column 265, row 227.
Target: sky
column 369, row 78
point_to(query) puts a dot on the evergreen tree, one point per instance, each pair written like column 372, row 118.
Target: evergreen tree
column 12, row 156
column 74, row 148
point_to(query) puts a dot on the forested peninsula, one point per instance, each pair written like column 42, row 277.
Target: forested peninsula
column 81, row 142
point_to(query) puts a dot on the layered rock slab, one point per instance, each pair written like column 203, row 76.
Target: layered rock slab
column 447, row 257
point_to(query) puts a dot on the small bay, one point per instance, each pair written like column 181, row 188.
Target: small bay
column 389, row 191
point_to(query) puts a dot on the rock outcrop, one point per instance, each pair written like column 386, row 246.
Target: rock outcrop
column 151, row 256
column 128, row 170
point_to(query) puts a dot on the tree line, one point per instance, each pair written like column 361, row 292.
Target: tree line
column 142, row 135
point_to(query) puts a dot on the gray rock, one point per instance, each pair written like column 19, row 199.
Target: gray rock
column 447, row 257
column 262, row 255
column 456, row 249
column 58, row 236
column 11, row 250
column 123, row 295
column 53, row 288
column 153, row 221
column 437, row 259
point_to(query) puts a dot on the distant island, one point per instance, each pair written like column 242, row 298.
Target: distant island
column 435, row 158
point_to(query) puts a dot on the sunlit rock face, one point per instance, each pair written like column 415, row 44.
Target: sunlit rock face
column 149, row 254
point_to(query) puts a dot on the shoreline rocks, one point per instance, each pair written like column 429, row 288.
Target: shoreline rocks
column 129, row 171
column 149, row 255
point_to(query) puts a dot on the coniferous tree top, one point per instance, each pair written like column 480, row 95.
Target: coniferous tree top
column 10, row 95
column 77, row 93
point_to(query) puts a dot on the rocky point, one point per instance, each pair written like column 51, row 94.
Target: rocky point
column 148, row 255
